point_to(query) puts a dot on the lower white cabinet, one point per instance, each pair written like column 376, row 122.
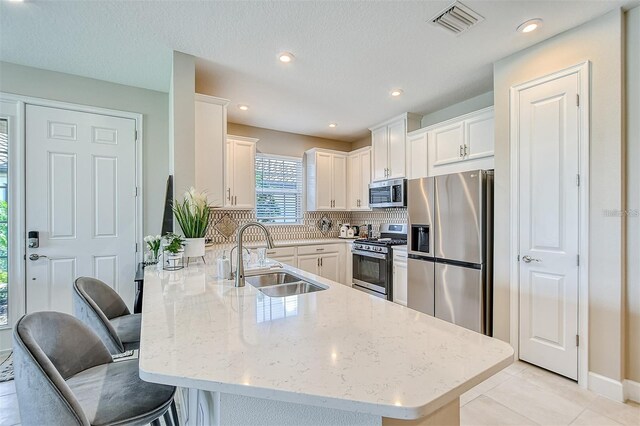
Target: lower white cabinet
column 321, row 260
column 284, row 255
column 400, row 277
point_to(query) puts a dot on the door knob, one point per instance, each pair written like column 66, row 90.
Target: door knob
column 529, row 259
column 35, row 256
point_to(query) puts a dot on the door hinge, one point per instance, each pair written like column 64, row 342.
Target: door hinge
column 578, row 259
column 578, row 100
column 578, row 180
column 136, row 247
column 136, row 134
column 136, row 192
column 518, row 258
column 577, row 340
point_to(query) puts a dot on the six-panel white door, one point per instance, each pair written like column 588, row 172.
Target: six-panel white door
column 81, row 198
column 549, row 219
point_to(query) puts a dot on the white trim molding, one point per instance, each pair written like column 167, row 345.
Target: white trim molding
column 631, row 390
column 582, row 71
column 605, row 386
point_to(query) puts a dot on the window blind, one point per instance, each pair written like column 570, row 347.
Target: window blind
column 278, row 189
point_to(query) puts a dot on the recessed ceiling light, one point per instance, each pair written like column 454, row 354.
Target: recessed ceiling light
column 286, row 57
column 332, row 125
column 396, row 92
column 530, row 25
column 243, row 107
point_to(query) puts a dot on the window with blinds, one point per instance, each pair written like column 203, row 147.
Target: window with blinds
column 278, row 189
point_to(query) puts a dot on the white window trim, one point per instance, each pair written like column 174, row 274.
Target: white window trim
column 302, row 193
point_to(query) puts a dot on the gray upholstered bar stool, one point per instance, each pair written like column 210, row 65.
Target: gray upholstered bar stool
column 101, row 308
column 65, row 375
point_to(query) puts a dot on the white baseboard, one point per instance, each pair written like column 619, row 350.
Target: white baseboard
column 632, row 390
column 610, row 388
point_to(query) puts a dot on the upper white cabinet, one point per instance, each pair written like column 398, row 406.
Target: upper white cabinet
column 326, row 180
column 359, row 170
column 240, row 186
column 461, row 144
column 210, row 135
column 388, row 142
column 417, row 166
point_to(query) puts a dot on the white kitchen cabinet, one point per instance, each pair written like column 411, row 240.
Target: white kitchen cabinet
column 210, row 136
column 240, row 173
column 359, row 169
column 462, row 144
column 400, row 276
column 417, row 166
column 323, row 260
column 284, row 255
column 326, row 172
column 388, row 142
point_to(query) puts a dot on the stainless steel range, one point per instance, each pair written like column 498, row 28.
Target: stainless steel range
column 373, row 260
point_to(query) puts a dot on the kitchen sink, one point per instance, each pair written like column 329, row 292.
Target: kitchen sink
column 281, row 284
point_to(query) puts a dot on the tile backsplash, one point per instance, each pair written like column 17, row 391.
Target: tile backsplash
column 307, row 230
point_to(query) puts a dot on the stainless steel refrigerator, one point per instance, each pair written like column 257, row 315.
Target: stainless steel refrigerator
column 450, row 246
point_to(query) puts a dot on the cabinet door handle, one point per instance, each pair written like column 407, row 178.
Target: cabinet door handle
column 229, row 194
column 320, row 262
column 320, row 249
column 461, row 151
column 465, row 150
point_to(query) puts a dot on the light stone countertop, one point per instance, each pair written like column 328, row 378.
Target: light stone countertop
column 284, row 243
column 338, row 348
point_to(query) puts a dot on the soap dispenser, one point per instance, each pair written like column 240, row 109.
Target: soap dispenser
column 224, row 266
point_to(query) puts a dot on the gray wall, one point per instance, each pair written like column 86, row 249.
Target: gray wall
column 284, row 143
column 598, row 41
column 633, row 194
column 456, row 110
column 153, row 105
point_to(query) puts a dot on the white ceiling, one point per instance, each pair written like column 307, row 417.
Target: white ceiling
column 349, row 54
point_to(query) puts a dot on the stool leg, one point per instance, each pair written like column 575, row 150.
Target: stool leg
column 156, row 422
column 168, row 420
column 174, row 413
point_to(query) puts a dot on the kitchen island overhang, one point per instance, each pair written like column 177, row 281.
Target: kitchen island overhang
column 336, row 349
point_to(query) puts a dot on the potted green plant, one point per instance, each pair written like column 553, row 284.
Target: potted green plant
column 173, row 248
column 192, row 214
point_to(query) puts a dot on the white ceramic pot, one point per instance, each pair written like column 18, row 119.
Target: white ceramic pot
column 194, row 247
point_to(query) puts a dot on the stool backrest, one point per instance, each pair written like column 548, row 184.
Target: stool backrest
column 50, row 347
column 95, row 303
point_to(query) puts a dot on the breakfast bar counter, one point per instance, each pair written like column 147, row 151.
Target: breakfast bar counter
column 335, row 356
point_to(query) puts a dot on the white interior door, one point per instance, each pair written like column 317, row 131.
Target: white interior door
column 81, row 198
column 548, row 224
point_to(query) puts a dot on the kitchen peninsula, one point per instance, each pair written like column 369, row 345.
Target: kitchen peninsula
column 335, row 357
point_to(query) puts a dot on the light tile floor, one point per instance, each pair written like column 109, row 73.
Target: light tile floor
column 522, row 394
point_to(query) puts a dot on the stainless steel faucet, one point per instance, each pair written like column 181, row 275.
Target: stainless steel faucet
column 239, row 265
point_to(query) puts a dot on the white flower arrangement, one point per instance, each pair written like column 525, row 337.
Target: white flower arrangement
column 192, row 213
column 153, row 242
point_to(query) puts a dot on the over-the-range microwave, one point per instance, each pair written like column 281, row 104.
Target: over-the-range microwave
column 388, row 193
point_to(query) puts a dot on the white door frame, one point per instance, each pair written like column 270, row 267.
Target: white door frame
column 582, row 71
column 17, row 159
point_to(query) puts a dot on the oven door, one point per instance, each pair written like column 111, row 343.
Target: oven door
column 371, row 273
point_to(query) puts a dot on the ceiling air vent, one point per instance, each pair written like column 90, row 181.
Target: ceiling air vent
column 457, row 18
